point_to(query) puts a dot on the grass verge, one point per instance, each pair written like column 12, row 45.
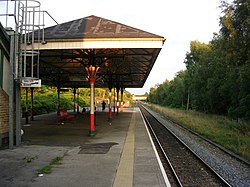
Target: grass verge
column 230, row 134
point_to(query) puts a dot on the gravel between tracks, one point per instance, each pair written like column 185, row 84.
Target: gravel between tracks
column 232, row 170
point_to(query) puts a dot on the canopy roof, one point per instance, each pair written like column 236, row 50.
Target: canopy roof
column 124, row 54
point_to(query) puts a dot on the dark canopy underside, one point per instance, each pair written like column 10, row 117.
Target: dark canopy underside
column 124, row 54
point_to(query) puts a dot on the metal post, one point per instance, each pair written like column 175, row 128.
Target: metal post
column 18, row 116
column 58, row 106
column 122, row 89
column 110, row 98
column 114, row 101
column 77, row 100
column 25, row 39
column 32, row 45
column 92, row 71
column 32, row 103
column 117, row 100
column 7, row 13
column 74, row 99
column 11, row 93
column 26, row 109
column 110, row 106
column 58, row 100
column 18, row 74
column 92, row 108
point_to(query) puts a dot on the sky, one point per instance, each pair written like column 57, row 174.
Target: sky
column 178, row 21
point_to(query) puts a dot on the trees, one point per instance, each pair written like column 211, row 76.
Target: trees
column 235, row 37
column 198, row 62
column 217, row 75
column 170, row 93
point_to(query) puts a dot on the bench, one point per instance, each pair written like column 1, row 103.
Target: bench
column 65, row 115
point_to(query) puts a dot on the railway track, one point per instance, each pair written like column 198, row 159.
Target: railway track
column 182, row 165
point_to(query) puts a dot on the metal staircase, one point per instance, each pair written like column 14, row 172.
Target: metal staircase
column 24, row 23
column 25, row 20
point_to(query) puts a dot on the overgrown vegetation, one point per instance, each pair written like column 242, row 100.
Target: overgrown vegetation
column 29, row 159
column 228, row 133
column 47, row 169
column 56, row 160
column 46, row 98
column 217, row 75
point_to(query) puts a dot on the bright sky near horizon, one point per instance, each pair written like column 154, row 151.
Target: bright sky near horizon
column 179, row 22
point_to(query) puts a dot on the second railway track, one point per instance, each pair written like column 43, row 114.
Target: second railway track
column 186, row 167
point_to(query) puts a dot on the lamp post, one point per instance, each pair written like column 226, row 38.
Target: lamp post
column 92, row 71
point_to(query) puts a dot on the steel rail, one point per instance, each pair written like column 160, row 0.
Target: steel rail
column 197, row 156
column 163, row 151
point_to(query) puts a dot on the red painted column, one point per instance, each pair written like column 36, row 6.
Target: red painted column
column 92, row 108
column 92, row 71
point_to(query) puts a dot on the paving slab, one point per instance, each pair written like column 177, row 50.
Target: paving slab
column 86, row 161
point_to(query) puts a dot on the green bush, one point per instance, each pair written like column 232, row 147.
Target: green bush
column 46, row 103
column 46, row 99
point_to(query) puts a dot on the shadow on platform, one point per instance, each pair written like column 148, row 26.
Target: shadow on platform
column 48, row 130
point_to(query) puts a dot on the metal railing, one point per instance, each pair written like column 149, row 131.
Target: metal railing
column 27, row 20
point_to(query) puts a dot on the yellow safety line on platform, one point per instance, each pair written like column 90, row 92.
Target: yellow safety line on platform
column 125, row 171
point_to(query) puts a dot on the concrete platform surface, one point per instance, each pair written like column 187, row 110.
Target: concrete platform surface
column 120, row 153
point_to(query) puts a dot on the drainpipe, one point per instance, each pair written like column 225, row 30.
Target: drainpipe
column 11, row 93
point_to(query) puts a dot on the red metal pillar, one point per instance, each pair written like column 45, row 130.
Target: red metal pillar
column 110, row 106
column 92, row 71
column 92, row 107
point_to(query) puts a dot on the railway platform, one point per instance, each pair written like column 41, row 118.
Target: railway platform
column 120, row 153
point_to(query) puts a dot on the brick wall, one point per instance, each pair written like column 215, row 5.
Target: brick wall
column 4, row 115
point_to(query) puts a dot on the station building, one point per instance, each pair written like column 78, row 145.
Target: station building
column 85, row 53
column 4, row 84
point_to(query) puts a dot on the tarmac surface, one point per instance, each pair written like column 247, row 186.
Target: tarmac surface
column 120, row 153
